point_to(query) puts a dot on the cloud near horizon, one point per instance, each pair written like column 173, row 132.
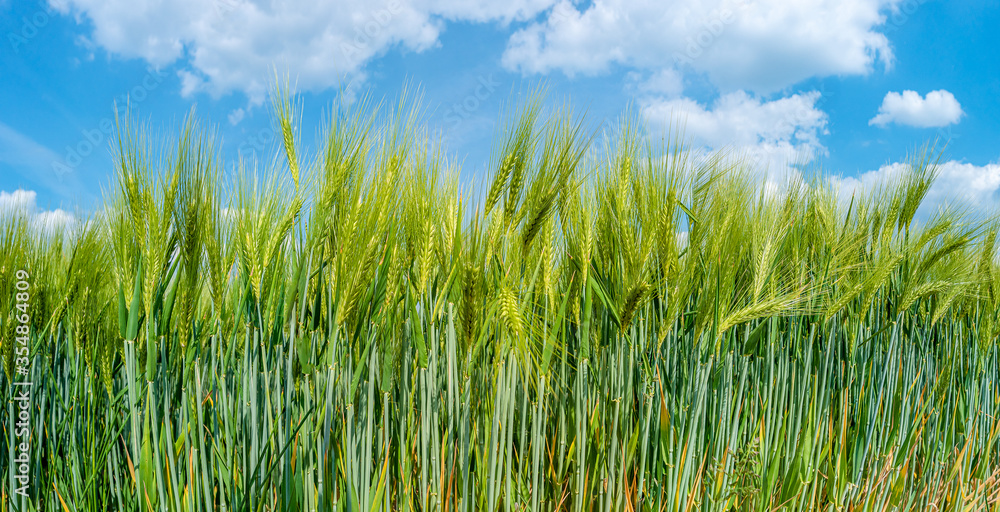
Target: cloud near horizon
column 23, row 202
column 724, row 69
column 775, row 134
column 958, row 185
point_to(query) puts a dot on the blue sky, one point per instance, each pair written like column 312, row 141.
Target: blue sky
column 851, row 86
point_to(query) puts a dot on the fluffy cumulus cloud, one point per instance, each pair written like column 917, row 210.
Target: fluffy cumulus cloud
column 236, row 45
column 758, row 45
column 938, row 108
column 22, row 202
column 747, row 49
column 17, row 201
column 959, row 184
column 775, row 134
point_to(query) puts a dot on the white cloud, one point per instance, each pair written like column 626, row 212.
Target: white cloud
column 26, row 163
column 760, row 45
column 236, row 45
column 486, row 10
column 19, row 200
column 50, row 220
column 977, row 186
column 773, row 134
column 667, row 82
column 958, row 183
column 939, row 108
column 23, row 202
column 236, row 116
column 23, row 153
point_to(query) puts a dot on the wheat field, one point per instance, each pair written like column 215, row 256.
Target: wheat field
column 636, row 327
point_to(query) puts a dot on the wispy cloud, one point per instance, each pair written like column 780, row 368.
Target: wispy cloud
column 22, row 151
column 26, row 162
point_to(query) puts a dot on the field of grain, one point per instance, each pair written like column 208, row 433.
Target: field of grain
column 636, row 327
